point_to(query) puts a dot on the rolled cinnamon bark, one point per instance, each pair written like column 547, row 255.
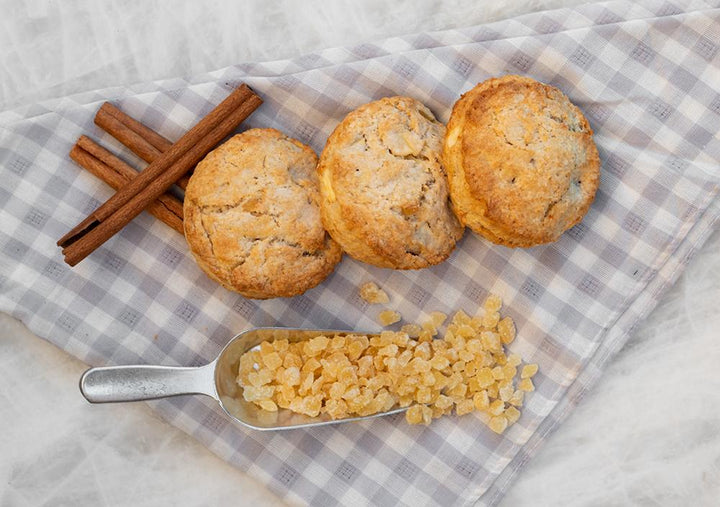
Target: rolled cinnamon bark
column 116, row 173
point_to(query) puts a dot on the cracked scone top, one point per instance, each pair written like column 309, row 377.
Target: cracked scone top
column 252, row 218
column 521, row 161
column 384, row 190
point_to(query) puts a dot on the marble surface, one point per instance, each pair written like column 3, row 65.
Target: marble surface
column 648, row 434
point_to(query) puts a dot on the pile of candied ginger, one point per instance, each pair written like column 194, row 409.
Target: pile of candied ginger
column 356, row 375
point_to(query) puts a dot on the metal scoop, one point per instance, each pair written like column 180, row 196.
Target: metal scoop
column 217, row 380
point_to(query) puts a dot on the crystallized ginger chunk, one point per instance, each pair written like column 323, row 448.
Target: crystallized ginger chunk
column 493, row 303
column 388, row 317
column 529, row 370
column 526, row 385
column 498, row 424
column 373, row 294
column 419, row 414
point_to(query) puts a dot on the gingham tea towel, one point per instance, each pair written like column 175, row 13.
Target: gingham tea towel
column 645, row 73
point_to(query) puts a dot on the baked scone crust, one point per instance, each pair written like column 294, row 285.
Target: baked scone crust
column 384, row 190
column 521, row 161
column 252, row 216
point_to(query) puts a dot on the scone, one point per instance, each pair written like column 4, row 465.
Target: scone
column 384, row 191
column 252, row 217
column 521, row 161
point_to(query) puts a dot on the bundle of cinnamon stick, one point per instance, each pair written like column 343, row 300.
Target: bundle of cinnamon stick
column 169, row 163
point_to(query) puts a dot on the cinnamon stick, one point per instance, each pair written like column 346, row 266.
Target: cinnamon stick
column 116, row 173
column 127, row 203
column 148, row 135
column 141, row 140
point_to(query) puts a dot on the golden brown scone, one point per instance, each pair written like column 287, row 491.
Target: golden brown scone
column 521, row 161
column 252, row 218
column 384, row 191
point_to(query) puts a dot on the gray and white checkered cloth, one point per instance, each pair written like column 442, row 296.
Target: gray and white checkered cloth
column 646, row 75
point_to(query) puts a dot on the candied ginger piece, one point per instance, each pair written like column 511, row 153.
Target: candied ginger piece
column 509, row 370
column 490, row 320
column 464, row 406
column 311, row 405
column 461, row 318
column 517, row 398
column 336, row 409
column 413, row 415
column 311, row 364
column 260, row 377
column 389, row 350
column 405, row 400
column 292, row 359
column 498, row 424
column 481, row 401
column 419, row 414
column 512, row 414
column 423, row 395
column 253, row 393
column 437, row 411
column 441, row 381
column 365, row 366
column 306, row 382
column 474, row 346
column 419, row 365
column 485, row 377
column 266, row 348
column 268, row 405
column 438, row 318
column 338, row 342
column 273, row 360
column 444, row 402
column 506, row 330
column 425, row 336
column 405, row 357
column 356, row 348
column 439, row 362
column 514, row 360
column 291, row 376
column 506, row 392
column 351, row 393
column 428, row 379
column 458, row 391
column 491, row 341
column 388, row 317
column 497, row 407
column 347, row 375
column 315, row 346
column 493, row 391
column 529, row 370
column 458, row 366
column 526, row 385
column 401, row 339
column 423, row 351
column 281, row 345
column 466, row 355
column 412, row 330
column 493, row 303
column 373, row 294
column 466, row 331
column 429, row 327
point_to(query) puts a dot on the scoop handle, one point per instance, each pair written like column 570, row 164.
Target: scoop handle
column 134, row 383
